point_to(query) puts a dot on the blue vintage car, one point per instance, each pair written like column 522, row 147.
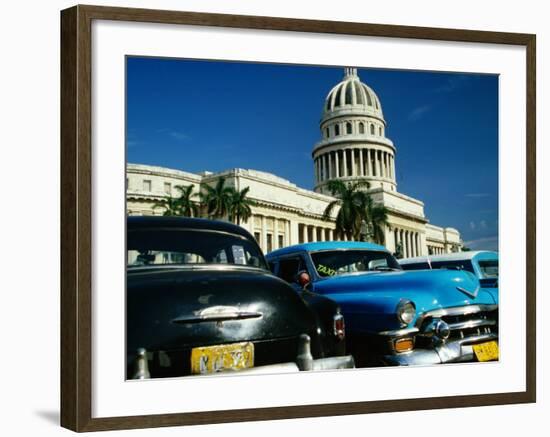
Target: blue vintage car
column 395, row 317
column 482, row 263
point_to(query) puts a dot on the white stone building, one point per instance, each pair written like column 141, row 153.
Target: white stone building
column 353, row 146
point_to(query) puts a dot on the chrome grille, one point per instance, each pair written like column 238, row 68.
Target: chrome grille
column 471, row 322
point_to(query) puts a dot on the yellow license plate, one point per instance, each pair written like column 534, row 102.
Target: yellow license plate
column 212, row 359
column 486, row 351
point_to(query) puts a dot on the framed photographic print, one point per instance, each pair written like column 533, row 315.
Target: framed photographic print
column 268, row 218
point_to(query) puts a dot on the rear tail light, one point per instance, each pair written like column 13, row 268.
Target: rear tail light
column 339, row 326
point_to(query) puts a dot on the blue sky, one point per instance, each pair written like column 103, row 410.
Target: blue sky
column 206, row 115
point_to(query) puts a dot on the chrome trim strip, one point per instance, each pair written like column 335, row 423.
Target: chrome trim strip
column 219, row 317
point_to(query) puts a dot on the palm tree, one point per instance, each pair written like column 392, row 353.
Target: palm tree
column 170, row 204
column 239, row 208
column 217, row 199
column 377, row 216
column 353, row 207
column 188, row 207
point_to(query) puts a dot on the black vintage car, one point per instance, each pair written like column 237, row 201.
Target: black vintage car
column 200, row 300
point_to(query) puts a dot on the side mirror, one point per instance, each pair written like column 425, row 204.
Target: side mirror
column 303, row 279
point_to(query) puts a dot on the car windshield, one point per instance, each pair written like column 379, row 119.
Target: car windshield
column 339, row 262
column 147, row 247
column 489, row 268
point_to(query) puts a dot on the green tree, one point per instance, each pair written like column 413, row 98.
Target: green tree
column 217, row 199
column 239, row 208
column 187, row 206
column 170, row 204
column 377, row 219
column 353, row 202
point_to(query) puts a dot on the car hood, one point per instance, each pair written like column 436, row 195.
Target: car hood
column 170, row 309
column 369, row 300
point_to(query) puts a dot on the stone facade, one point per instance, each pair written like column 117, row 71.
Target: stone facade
column 353, row 146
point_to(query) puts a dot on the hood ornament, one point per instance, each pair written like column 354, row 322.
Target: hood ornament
column 472, row 294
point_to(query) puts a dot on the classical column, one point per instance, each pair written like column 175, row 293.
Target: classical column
column 313, row 234
column 353, row 166
column 264, row 234
column 331, row 234
column 345, row 161
column 317, row 170
column 361, row 167
column 330, row 174
column 318, row 161
column 336, row 164
column 287, row 233
column 304, row 233
column 275, row 242
column 369, row 163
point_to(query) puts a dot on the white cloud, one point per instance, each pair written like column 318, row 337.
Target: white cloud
column 452, row 84
column 486, row 243
column 182, row 136
column 418, row 113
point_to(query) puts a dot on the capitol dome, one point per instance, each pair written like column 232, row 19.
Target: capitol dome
column 353, row 137
column 352, row 94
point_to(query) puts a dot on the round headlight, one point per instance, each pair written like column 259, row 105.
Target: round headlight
column 406, row 311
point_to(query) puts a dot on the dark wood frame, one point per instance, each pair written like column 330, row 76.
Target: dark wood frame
column 76, row 219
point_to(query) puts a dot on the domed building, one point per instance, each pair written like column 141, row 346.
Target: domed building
column 353, row 146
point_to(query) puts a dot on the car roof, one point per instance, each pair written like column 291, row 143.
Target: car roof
column 325, row 245
column 138, row 222
column 456, row 256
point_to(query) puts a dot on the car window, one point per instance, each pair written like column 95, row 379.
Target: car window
column 189, row 246
column 454, row 265
column 289, row 268
column 489, row 268
column 416, row 266
column 337, row 262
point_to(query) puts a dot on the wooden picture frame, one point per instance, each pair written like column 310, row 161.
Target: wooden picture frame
column 76, row 217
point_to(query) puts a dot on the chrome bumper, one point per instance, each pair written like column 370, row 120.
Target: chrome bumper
column 304, row 361
column 457, row 351
column 331, row 363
